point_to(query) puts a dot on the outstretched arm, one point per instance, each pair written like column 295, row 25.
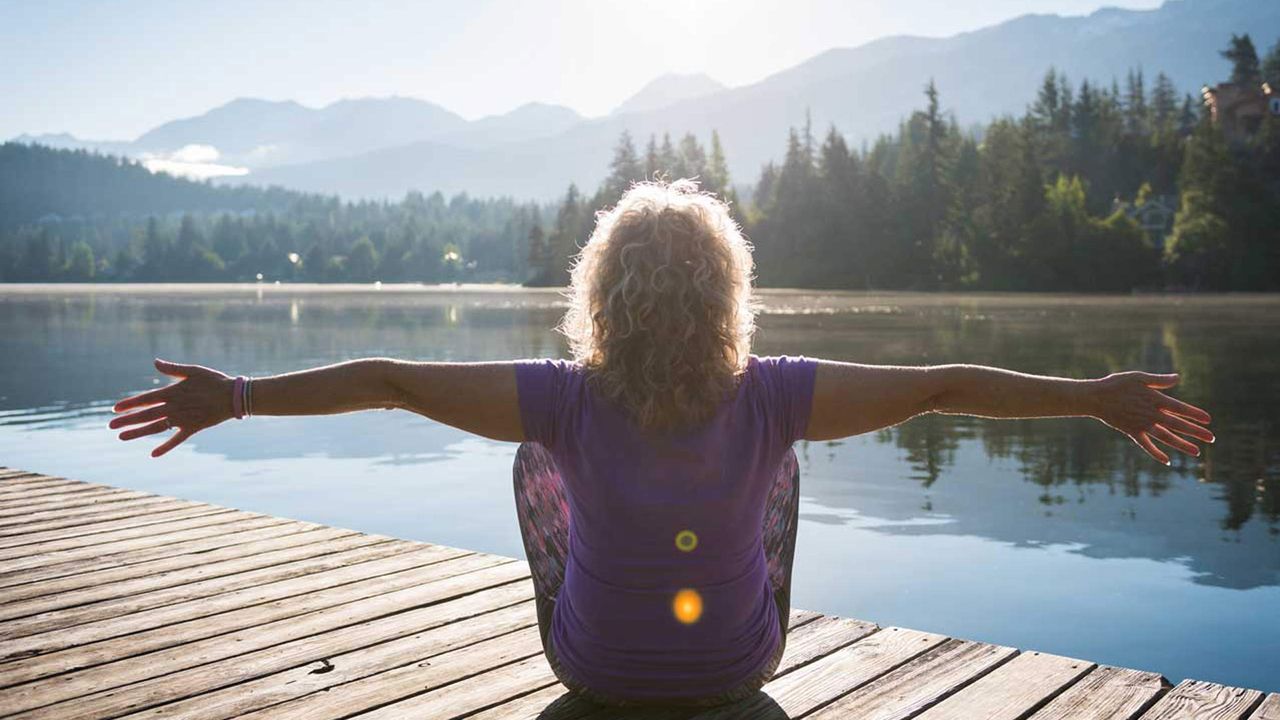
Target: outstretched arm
column 477, row 397
column 851, row 398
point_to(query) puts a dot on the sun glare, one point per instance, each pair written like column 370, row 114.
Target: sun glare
column 687, row 606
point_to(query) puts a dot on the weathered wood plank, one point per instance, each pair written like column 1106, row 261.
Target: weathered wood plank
column 93, row 497
column 1107, row 693
column 919, row 684
column 1269, row 709
column 50, row 520
column 1203, row 701
column 800, row 617
column 22, row 485
column 99, row 528
column 460, row 575
column 67, row 628
column 813, row 685
column 109, row 576
column 131, row 552
column 76, row 492
column 34, row 491
column 218, row 516
column 8, row 473
column 809, row 641
column 473, row 693
column 198, row 581
column 553, row 702
column 413, row 680
column 1012, row 690
column 300, row 665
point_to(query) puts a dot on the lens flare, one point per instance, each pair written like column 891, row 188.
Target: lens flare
column 686, row 540
column 687, row 606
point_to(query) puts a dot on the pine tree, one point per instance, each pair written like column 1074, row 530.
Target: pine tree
column 652, row 161
column 1245, row 69
column 539, row 253
column 155, row 251
column 692, row 157
column 1135, row 104
column 717, row 177
column 624, row 169
column 1164, row 103
column 669, row 160
column 362, row 261
column 1271, row 67
column 570, row 229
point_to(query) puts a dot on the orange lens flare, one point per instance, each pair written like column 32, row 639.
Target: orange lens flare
column 687, row 606
column 686, row 540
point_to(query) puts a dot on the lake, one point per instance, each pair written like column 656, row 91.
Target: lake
column 1057, row 535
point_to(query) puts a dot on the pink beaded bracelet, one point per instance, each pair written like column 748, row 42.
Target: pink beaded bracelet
column 237, row 399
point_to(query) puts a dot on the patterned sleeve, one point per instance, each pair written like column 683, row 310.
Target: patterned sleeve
column 789, row 381
column 540, row 389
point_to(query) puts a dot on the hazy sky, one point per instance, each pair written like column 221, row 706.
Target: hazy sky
column 112, row 70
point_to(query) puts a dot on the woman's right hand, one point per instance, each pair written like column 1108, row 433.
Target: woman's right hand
column 1131, row 402
column 199, row 400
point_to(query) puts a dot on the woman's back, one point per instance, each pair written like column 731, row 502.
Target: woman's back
column 666, row 589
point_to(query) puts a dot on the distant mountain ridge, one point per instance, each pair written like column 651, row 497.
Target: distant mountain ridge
column 382, row 148
column 668, row 90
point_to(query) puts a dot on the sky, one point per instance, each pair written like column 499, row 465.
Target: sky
column 113, row 69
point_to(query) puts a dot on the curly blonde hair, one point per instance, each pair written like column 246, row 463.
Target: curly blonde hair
column 661, row 311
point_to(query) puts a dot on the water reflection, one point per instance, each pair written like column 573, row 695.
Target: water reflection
column 1065, row 490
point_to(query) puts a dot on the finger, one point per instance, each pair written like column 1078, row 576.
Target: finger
column 151, row 413
column 177, row 369
column 152, row 429
column 1145, row 443
column 1185, row 426
column 1177, row 443
column 1159, row 380
column 150, row 397
column 1185, row 409
column 172, row 442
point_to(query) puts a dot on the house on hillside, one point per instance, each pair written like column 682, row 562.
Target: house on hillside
column 1154, row 214
column 1241, row 108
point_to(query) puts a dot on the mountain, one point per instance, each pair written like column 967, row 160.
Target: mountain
column 862, row 91
column 260, row 133
column 385, row 147
column 527, row 122
column 668, row 90
column 253, row 134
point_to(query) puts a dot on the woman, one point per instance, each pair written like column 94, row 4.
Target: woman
column 656, row 488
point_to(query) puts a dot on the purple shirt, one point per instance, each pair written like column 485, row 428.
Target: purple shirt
column 614, row 628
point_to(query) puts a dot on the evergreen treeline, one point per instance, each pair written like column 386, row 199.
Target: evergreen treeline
column 79, row 216
column 1040, row 202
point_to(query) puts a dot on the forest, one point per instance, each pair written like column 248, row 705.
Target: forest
column 1044, row 202
column 1095, row 188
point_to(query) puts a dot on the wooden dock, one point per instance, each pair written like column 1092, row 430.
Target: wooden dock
column 116, row 603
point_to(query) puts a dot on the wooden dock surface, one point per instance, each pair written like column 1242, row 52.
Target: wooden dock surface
column 123, row 604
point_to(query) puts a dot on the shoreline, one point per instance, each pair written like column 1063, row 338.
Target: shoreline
column 814, row 298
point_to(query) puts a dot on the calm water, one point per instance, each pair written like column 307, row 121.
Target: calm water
column 1058, row 535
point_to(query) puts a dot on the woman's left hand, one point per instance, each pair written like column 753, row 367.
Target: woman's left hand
column 199, row 400
column 1131, row 402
